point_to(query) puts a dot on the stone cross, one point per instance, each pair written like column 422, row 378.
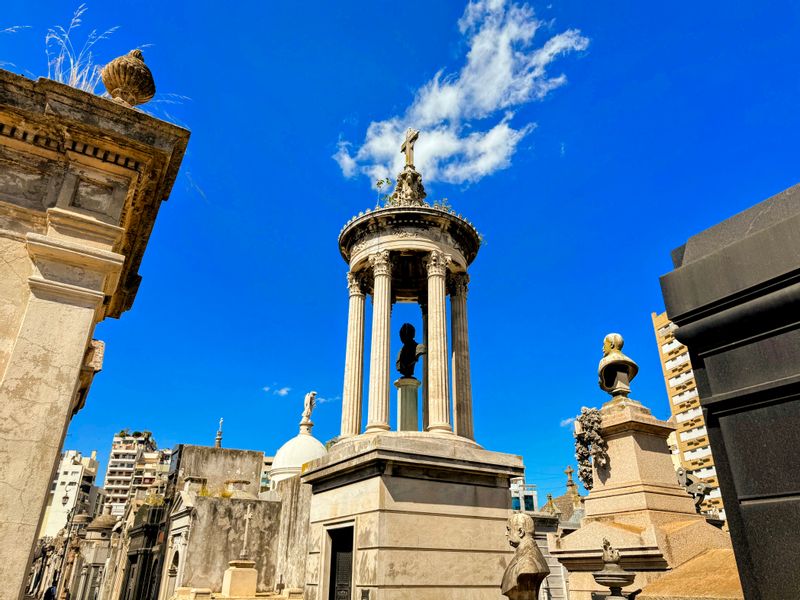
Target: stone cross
column 408, row 146
column 569, row 471
column 218, row 439
column 247, row 516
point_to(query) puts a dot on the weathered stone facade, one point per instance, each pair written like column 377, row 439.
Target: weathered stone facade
column 81, row 182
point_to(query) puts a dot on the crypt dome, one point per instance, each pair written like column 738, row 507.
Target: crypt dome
column 301, row 449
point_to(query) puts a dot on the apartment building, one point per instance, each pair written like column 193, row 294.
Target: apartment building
column 126, row 450
column 689, row 445
column 72, row 491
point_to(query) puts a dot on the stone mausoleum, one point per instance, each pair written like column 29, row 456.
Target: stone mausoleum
column 420, row 509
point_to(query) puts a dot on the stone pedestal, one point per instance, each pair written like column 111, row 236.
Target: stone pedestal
column 240, row 579
column 407, row 404
column 637, row 504
column 428, row 513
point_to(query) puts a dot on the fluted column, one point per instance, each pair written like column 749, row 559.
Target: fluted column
column 462, row 385
column 425, row 419
column 438, row 392
column 378, row 410
column 354, row 359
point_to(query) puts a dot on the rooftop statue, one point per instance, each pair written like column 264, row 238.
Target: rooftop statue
column 528, row 569
column 411, row 351
column 616, row 371
column 309, row 403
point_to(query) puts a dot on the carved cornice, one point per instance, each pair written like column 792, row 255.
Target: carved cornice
column 437, row 263
column 73, row 138
column 458, row 284
column 381, row 263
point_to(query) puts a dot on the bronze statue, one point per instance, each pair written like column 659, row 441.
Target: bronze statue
column 411, row 351
column 528, row 569
column 616, row 371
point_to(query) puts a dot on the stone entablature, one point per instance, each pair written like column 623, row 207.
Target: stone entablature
column 67, row 149
column 420, row 228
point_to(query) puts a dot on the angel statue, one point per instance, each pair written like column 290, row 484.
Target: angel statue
column 308, row 405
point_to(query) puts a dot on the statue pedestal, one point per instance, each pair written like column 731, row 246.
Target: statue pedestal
column 637, row 504
column 407, row 404
column 423, row 515
column 240, row 579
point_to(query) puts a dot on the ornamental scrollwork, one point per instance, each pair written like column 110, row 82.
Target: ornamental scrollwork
column 381, row 264
column 437, row 263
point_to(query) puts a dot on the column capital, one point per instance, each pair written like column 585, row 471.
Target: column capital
column 355, row 283
column 457, row 284
column 437, row 263
column 381, row 263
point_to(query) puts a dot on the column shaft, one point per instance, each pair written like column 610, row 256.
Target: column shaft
column 378, row 410
column 354, row 360
column 425, row 411
column 438, row 392
column 462, row 385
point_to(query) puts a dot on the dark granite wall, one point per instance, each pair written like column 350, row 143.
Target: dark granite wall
column 735, row 296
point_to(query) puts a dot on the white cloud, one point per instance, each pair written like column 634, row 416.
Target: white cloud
column 326, row 400
column 284, row 391
column 567, row 422
column 466, row 116
column 266, row 388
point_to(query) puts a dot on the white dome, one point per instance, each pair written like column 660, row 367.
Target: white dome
column 291, row 457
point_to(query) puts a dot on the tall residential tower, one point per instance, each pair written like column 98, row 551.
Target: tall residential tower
column 691, row 438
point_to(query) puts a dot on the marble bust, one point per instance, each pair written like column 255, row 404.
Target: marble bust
column 528, row 569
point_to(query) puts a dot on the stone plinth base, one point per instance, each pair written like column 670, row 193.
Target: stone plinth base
column 428, row 513
column 637, row 504
column 240, row 579
column 407, row 404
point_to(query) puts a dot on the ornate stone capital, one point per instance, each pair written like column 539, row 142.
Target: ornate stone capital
column 457, row 284
column 355, row 283
column 437, row 263
column 381, row 263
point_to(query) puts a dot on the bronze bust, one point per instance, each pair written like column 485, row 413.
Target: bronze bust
column 410, row 352
column 528, row 569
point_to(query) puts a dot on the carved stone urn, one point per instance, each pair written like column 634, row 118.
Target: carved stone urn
column 128, row 80
column 613, row 576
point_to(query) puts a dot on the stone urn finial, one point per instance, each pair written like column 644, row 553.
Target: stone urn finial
column 613, row 576
column 128, row 80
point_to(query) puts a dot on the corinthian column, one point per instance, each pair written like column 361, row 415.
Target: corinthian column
column 354, row 360
column 462, row 386
column 438, row 393
column 378, row 411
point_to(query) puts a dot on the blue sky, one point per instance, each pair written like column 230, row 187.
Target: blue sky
column 669, row 118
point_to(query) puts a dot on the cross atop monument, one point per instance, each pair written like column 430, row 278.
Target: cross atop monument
column 218, row 439
column 569, row 471
column 408, row 146
column 247, row 516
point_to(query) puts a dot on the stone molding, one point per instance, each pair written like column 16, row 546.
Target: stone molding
column 355, row 284
column 437, row 264
column 124, row 159
column 381, row 263
column 458, row 284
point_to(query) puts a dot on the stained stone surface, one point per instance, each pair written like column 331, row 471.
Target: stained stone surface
column 81, row 182
column 428, row 512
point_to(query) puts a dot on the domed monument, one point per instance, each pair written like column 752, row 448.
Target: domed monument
column 301, row 449
column 419, row 506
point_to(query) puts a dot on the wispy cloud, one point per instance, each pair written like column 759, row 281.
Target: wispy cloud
column 467, row 116
column 275, row 390
column 567, row 422
column 328, row 399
